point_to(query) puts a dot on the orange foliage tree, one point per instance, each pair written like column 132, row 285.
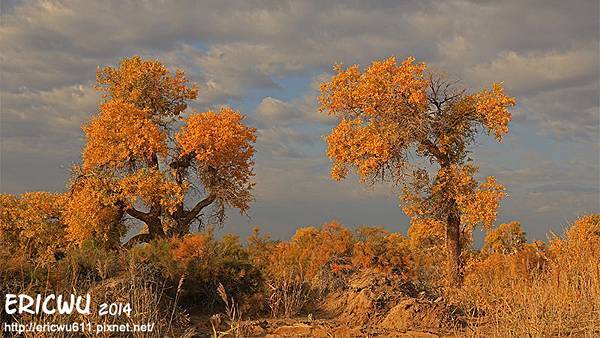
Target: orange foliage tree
column 30, row 225
column 388, row 112
column 148, row 158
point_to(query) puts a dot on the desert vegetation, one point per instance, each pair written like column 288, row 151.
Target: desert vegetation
column 150, row 163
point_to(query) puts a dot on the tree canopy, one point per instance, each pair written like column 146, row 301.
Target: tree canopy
column 148, row 158
column 391, row 110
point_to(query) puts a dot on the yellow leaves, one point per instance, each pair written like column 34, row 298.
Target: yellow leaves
column 310, row 251
column 380, row 250
column 148, row 85
column 91, row 209
column 222, row 147
column 426, row 232
column 482, row 205
column 121, row 133
column 30, row 224
column 454, row 192
column 217, row 138
column 363, row 146
column 136, row 156
column 585, row 228
column 383, row 88
column 476, row 203
column 455, row 180
column 492, row 108
column 151, row 186
column 388, row 108
column 506, row 238
column 192, row 247
column 581, row 239
column 498, row 271
column 380, row 111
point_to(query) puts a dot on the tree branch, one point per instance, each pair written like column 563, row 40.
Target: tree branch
column 183, row 162
column 190, row 215
column 142, row 216
column 435, row 151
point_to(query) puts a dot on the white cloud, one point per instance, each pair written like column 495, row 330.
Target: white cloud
column 46, row 122
column 272, row 110
column 280, row 142
column 531, row 73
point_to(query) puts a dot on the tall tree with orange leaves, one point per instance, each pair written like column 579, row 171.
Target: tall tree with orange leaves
column 149, row 159
column 389, row 114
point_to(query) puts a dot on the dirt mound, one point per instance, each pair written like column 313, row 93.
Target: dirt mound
column 385, row 302
column 416, row 314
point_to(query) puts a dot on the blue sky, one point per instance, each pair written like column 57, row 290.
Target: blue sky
column 265, row 58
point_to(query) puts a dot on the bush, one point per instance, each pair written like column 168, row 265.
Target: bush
column 307, row 266
column 378, row 249
column 195, row 265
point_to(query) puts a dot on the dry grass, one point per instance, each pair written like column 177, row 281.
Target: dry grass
column 136, row 285
column 288, row 296
column 552, row 292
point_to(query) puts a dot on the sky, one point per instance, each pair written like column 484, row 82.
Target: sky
column 266, row 58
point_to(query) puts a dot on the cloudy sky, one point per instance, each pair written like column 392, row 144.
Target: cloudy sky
column 266, row 58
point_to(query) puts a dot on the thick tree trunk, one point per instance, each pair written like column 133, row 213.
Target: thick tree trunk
column 155, row 231
column 155, row 228
column 454, row 250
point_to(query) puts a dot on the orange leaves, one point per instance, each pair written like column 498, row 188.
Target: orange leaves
column 476, row 203
column 380, row 250
column 482, row 205
column 313, row 252
column 581, row 240
column 426, row 232
column 151, row 186
column 453, row 193
column 585, row 228
column 389, row 108
column 492, row 108
column 222, row 147
column 381, row 113
column 383, row 88
column 91, row 209
column 309, row 251
column 146, row 84
column 363, row 146
column 30, row 224
column 218, row 140
column 119, row 134
column 138, row 158
column 192, row 247
column 506, row 238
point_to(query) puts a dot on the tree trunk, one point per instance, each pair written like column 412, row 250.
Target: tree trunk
column 155, row 228
column 454, row 249
column 155, row 231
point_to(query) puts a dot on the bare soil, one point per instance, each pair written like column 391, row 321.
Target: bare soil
column 374, row 304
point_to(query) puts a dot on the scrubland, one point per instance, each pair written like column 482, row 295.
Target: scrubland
column 326, row 280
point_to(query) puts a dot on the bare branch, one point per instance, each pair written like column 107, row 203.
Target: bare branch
column 190, row 215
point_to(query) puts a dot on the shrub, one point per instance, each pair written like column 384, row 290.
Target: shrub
column 204, row 263
column 377, row 249
column 427, row 238
column 506, row 238
column 307, row 266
